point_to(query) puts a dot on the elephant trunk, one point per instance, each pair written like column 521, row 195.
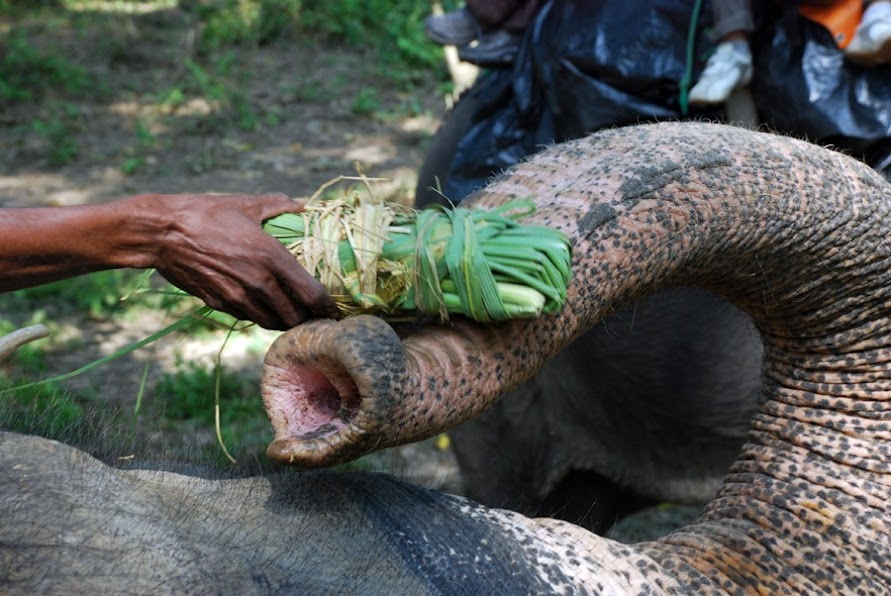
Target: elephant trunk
column 795, row 235
column 646, row 207
column 335, row 390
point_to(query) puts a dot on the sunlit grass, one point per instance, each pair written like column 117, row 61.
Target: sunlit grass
column 119, row 6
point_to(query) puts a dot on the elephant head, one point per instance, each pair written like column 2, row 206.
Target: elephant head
column 795, row 235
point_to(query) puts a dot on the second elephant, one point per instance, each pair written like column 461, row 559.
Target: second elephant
column 651, row 405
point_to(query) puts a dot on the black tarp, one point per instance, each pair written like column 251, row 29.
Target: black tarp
column 588, row 65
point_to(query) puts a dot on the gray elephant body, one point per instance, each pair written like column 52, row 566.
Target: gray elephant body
column 650, row 405
column 70, row 524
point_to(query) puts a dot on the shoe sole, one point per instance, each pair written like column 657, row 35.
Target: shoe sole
column 876, row 58
column 445, row 41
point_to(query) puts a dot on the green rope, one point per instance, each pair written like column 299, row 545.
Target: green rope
column 688, row 68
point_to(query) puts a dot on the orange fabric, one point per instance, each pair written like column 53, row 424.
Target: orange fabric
column 840, row 18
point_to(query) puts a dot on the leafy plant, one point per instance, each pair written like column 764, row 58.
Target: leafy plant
column 247, row 22
column 392, row 30
column 366, row 102
column 143, row 144
column 27, row 74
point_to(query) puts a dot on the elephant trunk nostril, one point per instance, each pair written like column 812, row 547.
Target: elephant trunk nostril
column 329, row 389
column 312, row 401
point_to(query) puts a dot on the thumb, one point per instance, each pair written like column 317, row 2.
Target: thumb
column 271, row 205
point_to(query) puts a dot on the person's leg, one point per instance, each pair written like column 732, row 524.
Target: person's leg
column 493, row 13
column 732, row 16
column 730, row 67
column 488, row 32
column 871, row 44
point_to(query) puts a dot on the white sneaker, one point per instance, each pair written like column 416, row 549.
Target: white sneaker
column 871, row 44
column 729, row 68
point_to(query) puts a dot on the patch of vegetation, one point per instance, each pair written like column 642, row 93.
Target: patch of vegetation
column 211, row 90
column 181, row 403
column 99, row 294
column 189, row 395
column 366, row 102
column 28, row 74
column 143, row 144
column 55, row 412
column 391, row 29
column 59, row 131
column 223, row 90
column 253, row 22
column 47, row 410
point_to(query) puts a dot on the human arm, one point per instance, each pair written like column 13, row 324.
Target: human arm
column 211, row 246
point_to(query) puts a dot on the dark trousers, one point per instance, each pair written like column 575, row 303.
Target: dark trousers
column 511, row 15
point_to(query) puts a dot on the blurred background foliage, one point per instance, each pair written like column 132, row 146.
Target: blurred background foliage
column 58, row 54
column 65, row 65
column 393, row 29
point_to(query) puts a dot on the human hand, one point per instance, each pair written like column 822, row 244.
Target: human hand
column 214, row 248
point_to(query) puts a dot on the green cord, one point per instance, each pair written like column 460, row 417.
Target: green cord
column 688, row 68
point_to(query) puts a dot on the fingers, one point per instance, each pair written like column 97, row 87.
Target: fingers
column 284, row 311
column 270, row 309
column 226, row 259
column 267, row 307
column 296, row 285
column 271, row 205
column 296, row 281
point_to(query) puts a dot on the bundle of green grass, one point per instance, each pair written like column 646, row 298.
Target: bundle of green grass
column 386, row 259
column 383, row 258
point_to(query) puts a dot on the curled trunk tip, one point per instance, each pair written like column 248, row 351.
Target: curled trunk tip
column 328, row 386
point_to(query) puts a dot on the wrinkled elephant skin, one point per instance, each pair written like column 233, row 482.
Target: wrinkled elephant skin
column 794, row 235
column 72, row 525
column 651, row 405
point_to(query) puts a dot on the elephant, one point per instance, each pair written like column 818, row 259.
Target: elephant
column 73, row 525
column 650, row 405
column 605, row 427
column 794, row 235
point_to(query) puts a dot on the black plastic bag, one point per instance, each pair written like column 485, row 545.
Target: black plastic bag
column 803, row 86
column 585, row 65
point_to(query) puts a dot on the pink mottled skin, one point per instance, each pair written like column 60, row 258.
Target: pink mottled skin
column 795, row 235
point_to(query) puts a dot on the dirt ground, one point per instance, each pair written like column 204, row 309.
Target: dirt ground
column 308, row 129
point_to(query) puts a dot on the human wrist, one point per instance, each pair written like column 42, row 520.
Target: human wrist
column 136, row 229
